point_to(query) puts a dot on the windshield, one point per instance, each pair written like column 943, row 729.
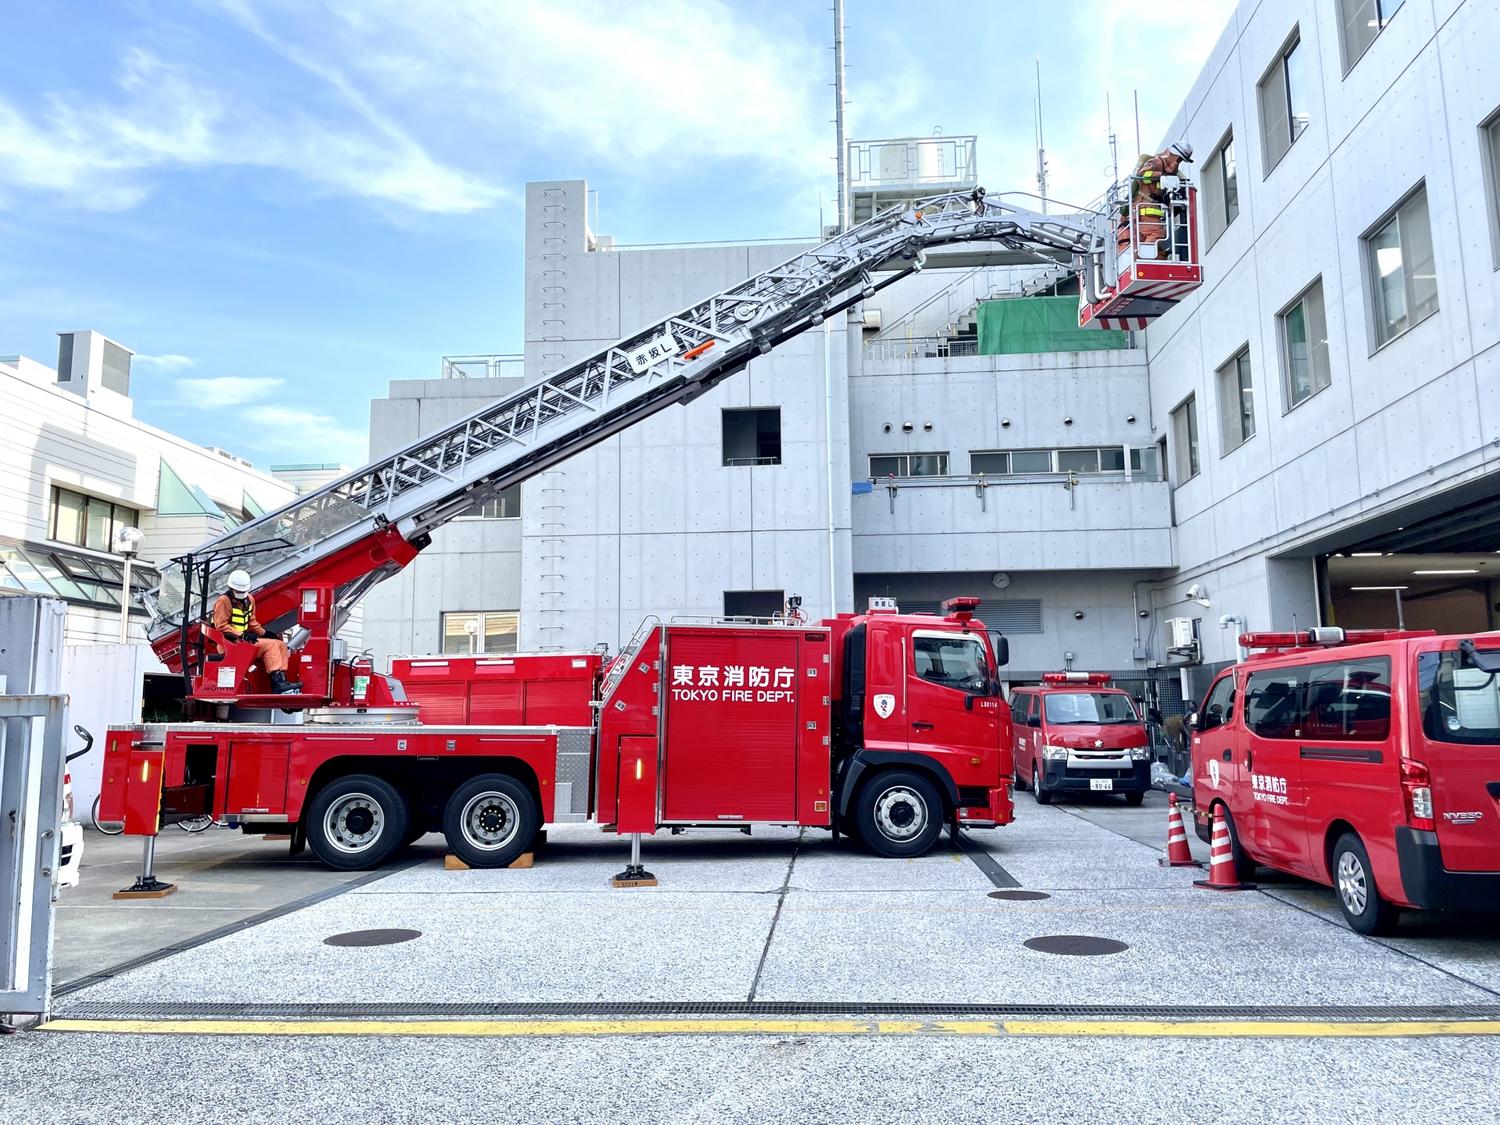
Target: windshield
column 1088, row 707
column 1460, row 703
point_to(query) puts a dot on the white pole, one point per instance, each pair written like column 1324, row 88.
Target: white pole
column 125, row 604
column 833, row 569
column 838, row 114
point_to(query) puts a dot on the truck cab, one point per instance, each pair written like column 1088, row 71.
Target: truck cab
column 1075, row 733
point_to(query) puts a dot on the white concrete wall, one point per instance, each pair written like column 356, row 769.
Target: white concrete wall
column 104, row 683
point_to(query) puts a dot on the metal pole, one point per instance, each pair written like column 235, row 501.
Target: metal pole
column 1041, row 143
column 833, row 597
column 1400, row 618
column 1136, row 94
column 635, row 849
column 838, row 114
column 125, row 603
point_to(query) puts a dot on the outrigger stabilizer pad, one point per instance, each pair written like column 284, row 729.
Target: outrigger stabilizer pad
column 147, row 886
column 634, row 875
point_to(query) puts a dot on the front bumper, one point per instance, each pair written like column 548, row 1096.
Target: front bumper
column 1000, row 810
column 70, row 854
column 1060, row 777
column 1428, row 885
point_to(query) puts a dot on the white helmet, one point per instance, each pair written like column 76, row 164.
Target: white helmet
column 239, row 581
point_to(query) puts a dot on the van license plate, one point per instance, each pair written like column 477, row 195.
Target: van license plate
column 1105, row 783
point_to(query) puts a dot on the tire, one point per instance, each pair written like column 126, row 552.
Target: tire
column 1244, row 866
column 356, row 822
column 1043, row 796
column 491, row 820
column 900, row 814
column 1020, row 781
column 1135, row 800
column 106, row 827
column 1364, row 908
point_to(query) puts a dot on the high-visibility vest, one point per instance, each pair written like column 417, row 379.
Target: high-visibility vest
column 241, row 616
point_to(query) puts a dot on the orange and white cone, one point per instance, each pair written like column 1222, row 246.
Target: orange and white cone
column 1178, row 852
column 1221, row 874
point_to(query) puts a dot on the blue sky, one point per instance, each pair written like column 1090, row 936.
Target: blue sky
column 281, row 205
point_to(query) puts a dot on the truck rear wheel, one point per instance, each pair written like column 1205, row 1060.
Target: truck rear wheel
column 356, row 822
column 899, row 813
column 491, row 820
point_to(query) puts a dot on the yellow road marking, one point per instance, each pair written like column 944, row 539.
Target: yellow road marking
column 1270, row 1029
column 503, row 1028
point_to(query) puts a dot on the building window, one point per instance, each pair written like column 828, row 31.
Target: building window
column 908, row 465
column 1360, row 22
column 1185, row 435
column 1491, row 138
column 1403, row 272
column 758, row 604
column 87, row 521
column 1020, row 462
column 1304, row 347
column 71, row 576
column 1284, row 93
column 1221, row 193
column 1236, row 402
column 506, row 506
column 484, row 631
column 752, row 437
column 1145, row 462
column 1078, row 460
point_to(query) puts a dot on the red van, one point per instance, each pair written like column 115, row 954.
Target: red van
column 1368, row 761
column 1075, row 733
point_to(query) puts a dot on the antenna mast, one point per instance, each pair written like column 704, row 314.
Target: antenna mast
column 1041, row 145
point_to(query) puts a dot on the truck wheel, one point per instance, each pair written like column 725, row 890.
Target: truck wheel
column 1366, row 911
column 900, row 814
column 1042, row 795
column 356, row 822
column 491, row 820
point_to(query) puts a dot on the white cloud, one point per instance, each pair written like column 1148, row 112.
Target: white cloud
column 225, row 390
column 307, row 434
column 103, row 156
column 162, row 362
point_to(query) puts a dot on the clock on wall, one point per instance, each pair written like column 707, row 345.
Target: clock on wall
column 1000, row 580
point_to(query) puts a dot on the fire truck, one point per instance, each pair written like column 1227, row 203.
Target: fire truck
column 880, row 750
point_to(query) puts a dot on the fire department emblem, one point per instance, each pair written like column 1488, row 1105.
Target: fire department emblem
column 884, row 705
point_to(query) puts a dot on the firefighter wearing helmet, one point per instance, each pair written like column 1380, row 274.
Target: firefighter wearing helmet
column 234, row 617
column 1149, row 198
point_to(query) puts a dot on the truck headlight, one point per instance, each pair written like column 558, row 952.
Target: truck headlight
column 1055, row 753
column 1140, row 753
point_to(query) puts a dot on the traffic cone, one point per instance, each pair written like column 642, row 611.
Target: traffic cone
column 1221, row 876
column 1178, row 853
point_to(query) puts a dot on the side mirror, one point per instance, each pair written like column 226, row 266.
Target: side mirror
column 1034, row 721
column 1002, row 650
column 1192, row 721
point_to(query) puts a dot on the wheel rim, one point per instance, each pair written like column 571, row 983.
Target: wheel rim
column 354, row 823
column 490, row 820
column 1036, row 780
column 1354, row 888
column 900, row 813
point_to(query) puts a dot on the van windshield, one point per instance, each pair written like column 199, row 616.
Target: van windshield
column 1460, row 703
column 1086, row 707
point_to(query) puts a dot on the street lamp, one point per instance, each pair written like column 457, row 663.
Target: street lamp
column 127, row 545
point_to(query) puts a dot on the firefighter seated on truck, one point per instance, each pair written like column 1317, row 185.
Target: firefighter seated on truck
column 1149, row 200
column 234, row 618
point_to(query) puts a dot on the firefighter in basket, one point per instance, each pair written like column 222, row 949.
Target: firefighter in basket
column 1149, row 199
column 234, row 618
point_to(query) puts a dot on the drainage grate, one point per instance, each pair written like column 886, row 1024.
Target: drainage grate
column 1075, row 945
column 1020, row 896
column 372, row 937
column 189, row 1009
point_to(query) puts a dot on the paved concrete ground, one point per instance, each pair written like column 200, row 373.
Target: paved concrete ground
column 791, row 916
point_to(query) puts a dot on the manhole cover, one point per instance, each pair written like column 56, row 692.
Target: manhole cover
column 372, row 937
column 1020, row 896
column 1075, row 945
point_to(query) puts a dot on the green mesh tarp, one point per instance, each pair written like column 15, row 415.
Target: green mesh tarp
column 1040, row 324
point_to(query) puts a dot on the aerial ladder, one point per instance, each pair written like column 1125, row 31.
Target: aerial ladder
column 312, row 560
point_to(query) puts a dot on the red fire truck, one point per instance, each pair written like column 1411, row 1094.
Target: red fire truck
column 884, row 725
column 1365, row 760
column 357, row 773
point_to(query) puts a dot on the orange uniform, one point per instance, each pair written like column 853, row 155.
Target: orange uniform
column 1148, row 199
column 235, row 618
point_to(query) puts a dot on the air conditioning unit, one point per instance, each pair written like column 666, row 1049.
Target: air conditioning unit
column 1183, row 641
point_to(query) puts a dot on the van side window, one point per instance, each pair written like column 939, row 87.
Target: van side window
column 1218, row 707
column 1348, row 701
column 1460, row 703
column 1273, row 703
column 1020, row 705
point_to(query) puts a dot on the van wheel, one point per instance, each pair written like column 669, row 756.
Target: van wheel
column 1042, row 795
column 356, row 822
column 1354, row 882
column 1134, row 800
column 1244, row 866
column 899, row 813
column 491, row 820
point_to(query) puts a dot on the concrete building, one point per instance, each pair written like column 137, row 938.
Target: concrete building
column 1321, row 417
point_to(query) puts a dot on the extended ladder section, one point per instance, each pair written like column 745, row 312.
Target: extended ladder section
column 352, row 533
